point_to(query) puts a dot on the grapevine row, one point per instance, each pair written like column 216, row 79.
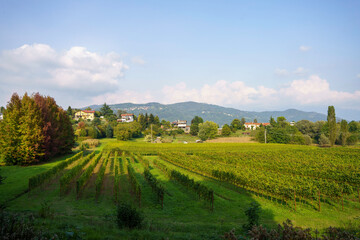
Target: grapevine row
column 80, row 183
column 39, row 179
column 67, row 177
column 134, row 183
column 155, row 185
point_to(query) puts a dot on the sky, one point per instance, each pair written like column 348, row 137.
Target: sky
column 249, row 55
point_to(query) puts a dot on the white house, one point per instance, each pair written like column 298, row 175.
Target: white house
column 182, row 124
column 253, row 126
column 1, row 116
column 127, row 117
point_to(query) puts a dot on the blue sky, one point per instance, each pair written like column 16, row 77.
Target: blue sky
column 250, row 55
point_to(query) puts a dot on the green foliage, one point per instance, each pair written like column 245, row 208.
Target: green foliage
column 344, row 129
column 236, row 124
column 100, row 176
column 70, row 175
column 323, row 140
column 352, row 139
column 39, row 179
column 155, row 185
column 194, row 127
column 46, row 210
column 123, row 135
column 80, row 183
column 34, row 129
column 252, row 214
column 128, row 217
column 107, row 112
column 226, row 131
column 207, row 130
column 332, row 125
column 109, row 131
column 134, row 183
column 2, row 179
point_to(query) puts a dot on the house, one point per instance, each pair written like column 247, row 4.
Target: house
column 85, row 114
column 253, row 126
column 1, row 116
column 126, row 117
column 182, row 124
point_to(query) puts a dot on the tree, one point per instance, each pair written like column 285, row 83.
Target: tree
column 273, row 122
column 243, row 121
column 194, row 127
column 354, row 126
column 119, row 112
column 255, row 120
column 332, row 124
column 96, row 121
column 281, row 122
column 69, row 112
column 344, row 129
column 109, row 131
column 34, row 129
column 236, row 124
column 207, row 130
column 226, row 131
column 107, row 112
column 2, row 109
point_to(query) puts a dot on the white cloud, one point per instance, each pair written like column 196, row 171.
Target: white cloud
column 315, row 90
column 304, row 48
column 281, row 72
column 222, row 92
column 358, row 76
column 300, row 71
column 77, row 69
column 138, row 60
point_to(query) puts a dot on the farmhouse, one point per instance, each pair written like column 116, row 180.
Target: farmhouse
column 127, row 117
column 1, row 116
column 182, row 124
column 253, row 126
column 85, row 114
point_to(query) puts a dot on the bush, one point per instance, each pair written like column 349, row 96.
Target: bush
column 352, row 140
column 252, row 214
column 307, row 139
column 128, row 216
column 123, row 135
column 323, row 140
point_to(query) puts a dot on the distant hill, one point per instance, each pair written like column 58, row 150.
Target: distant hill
column 210, row 112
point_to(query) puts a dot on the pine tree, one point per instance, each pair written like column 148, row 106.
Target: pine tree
column 109, row 131
column 332, row 124
column 10, row 137
column 31, row 132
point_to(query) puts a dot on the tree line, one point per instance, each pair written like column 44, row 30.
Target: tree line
column 34, row 129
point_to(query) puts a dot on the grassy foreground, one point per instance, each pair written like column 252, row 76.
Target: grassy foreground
column 183, row 216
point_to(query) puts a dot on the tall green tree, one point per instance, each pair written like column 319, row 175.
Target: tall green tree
column 332, row 124
column 344, row 130
column 207, row 130
column 10, row 136
column 69, row 112
column 194, row 127
column 236, row 124
column 107, row 112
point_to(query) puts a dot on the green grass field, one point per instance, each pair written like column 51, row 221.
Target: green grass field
column 183, row 216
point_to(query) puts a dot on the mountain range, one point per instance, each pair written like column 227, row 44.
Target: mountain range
column 210, row 112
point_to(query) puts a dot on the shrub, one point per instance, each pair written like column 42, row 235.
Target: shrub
column 252, row 214
column 128, row 216
column 352, row 140
column 323, row 140
column 123, row 135
column 307, row 139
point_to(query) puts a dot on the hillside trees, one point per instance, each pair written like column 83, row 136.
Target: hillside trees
column 34, row 129
column 344, row 129
column 236, row 124
column 226, row 130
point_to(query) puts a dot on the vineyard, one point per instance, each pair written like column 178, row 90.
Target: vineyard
column 203, row 188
